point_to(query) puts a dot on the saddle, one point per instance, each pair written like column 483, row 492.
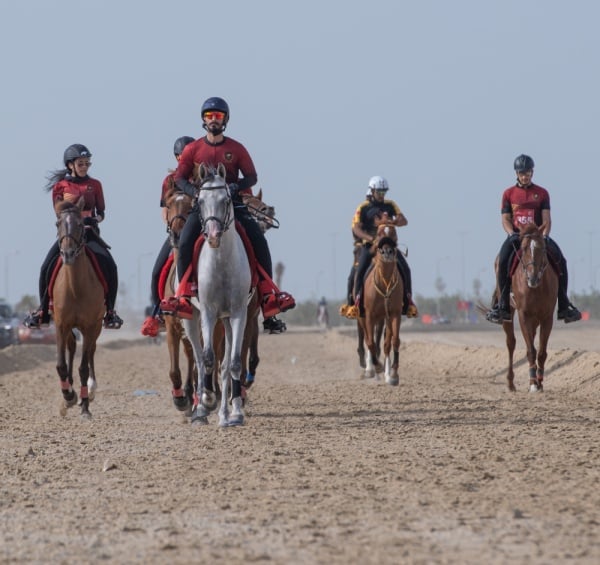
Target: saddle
column 256, row 270
column 95, row 265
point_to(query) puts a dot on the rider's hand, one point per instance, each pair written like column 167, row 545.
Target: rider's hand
column 233, row 188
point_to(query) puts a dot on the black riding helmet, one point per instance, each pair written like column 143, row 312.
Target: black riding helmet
column 523, row 163
column 180, row 143
column 75, row 151
column 216, row 104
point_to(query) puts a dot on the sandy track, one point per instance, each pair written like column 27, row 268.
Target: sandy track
column 449, row 467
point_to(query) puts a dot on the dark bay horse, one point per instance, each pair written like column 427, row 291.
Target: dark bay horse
column 383, row 299
column 178, row 205
column 534, row 290
column 78, row 302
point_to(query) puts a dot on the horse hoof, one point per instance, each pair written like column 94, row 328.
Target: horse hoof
column 235, row 421
column 182, row 403
column 209, row 400
column 86, row 416
column 393, row 381
column 199, row 421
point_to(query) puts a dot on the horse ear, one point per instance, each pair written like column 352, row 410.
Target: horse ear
column 202, row 171
column 81, row 203
column 221, row 170
column 259, row 195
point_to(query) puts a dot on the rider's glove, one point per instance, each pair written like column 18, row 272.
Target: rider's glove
column 234, row 188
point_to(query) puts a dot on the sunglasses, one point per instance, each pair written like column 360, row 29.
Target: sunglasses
column 83, row 164
column 214, row 115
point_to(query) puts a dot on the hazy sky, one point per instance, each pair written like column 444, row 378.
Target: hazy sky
column 438, row 97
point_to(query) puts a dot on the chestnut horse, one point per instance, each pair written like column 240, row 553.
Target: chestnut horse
column 383, row 300
column 78, row 302
column 178, row 206
column 534, row 295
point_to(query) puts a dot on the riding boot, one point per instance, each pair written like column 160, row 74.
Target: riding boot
column 566, row 310
column 501, row 312
column 349, row 309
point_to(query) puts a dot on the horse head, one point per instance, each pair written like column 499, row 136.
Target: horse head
column 534, row 258
column 214, row 203
column 71, row 229
column 263, row 214
column 179, row 206
column 386, row 240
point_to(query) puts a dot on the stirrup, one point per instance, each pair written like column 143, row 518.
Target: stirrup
column 273, row 325
column 411, row 311
column 286, row 301
column 569, row 314
column 35, row 320
column 349, row 311
column 180, row 307
column 270, row 306
column 112, row 321
column 151, row 326
column 498, row 316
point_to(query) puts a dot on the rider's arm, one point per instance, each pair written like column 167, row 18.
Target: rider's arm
column 400, row 220
column 184, row 171
column 358, row 231
column 546, row 221
column 507, row 224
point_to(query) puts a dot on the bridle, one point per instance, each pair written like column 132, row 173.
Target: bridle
column 536, row 243
column 174, row 236
column 70, row 220
column 225, row 222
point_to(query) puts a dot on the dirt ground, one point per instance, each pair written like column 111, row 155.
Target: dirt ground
column 448, row 467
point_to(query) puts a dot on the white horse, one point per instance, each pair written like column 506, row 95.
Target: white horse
column 224, row 281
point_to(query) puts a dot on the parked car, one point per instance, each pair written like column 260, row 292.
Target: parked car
column 45, row 335
column 8, row 326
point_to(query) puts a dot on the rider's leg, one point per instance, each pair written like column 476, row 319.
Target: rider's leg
column 501, row 311
column 42, row 316
column 153, row 323
column 347, row 309
column 364, row 261
column 409, row 307
column 566, row 310
column 180, row 304
column 109, row 270
column 273, row 301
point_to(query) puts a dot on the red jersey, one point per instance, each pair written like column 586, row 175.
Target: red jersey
column 525, row 205
column 72, row 188
column 231, row 153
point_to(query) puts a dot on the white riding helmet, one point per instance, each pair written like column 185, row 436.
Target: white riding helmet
column 378, row 183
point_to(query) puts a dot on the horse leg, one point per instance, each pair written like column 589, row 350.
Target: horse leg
column 545, row 329
column 84, row 372
column 392, row 377
column 529, row 337
column 361, row 345
column 199, row 413
column 225, row 374
column 92, row 382
column 511, row 343
column 192, row 375
column 253, row 358
column 66, row 379
column 370, row 329
column 235, row 369
column 180, row 400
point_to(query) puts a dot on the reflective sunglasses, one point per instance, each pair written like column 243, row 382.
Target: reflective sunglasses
column 214, row 115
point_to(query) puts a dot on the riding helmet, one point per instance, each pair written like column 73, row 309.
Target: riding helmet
column 180, row 143
column 523, row 163
column 378, row 183
column 75, row 151
column 216, row 104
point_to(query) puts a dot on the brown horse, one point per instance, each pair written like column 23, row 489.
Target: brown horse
column 383, row 300
column 78, row 302
column 534, row 290
column 178, row 205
